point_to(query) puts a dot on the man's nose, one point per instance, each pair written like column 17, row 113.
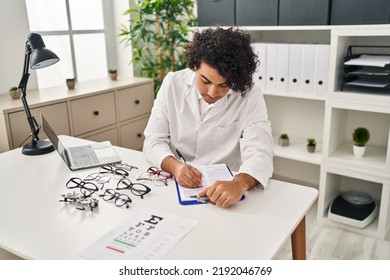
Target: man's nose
column 213, row 91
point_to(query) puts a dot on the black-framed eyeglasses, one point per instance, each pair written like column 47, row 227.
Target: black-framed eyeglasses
column 80, row 201
column 117, row 172
column 120, row 199
column 86, row 188
column 158, row 177
column 137, row 189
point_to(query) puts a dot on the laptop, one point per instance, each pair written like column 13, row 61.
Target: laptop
column 84, row 156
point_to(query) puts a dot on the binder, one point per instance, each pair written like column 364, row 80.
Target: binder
column 271, row 71
column 282, row 67
column 308, row 68
column 260, row 50
column 295, row 69
column 321, row 70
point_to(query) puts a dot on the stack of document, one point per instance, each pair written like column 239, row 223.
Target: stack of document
column 367, row 70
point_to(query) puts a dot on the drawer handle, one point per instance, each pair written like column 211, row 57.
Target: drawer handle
column 96, row 113
column 137, row 101
column 139, row 135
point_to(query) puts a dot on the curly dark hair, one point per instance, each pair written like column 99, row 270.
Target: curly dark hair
column 229, row 51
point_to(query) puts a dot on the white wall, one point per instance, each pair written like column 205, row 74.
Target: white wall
column 123, row 54
column 14, row 32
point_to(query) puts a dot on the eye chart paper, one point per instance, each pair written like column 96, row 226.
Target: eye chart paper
column 148, row 235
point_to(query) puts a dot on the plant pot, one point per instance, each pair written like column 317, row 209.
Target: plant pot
column 71, row 84
column 113, row 76
column 15, row 94
column 284, row 142
column 359, row 151
column 311, row 148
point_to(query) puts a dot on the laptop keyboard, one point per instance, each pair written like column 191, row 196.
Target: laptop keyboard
column 84, row 156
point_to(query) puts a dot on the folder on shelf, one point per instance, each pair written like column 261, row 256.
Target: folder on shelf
column 282, row 68
column 260, row 50
column 308, row 63
column 321, row 70
column 295, row 69
column 271, row 71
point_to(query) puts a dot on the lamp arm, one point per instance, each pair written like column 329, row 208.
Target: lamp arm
column 22, row 89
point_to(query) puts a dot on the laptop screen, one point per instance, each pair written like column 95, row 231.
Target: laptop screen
column 50, row 133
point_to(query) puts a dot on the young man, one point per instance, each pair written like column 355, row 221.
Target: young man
column 210, row 114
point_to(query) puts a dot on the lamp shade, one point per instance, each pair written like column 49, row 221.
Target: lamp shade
column 40, row 56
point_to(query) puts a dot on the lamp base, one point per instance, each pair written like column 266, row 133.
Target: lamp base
column 38, row 148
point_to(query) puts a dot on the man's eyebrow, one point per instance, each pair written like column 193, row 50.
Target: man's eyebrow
column 224, row 83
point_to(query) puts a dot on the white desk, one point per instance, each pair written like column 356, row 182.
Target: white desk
column 35, row 225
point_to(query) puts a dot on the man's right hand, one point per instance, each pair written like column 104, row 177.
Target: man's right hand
column 186, row 177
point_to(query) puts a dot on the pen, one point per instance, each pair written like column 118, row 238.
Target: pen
column 203, row 199
column 184, row 160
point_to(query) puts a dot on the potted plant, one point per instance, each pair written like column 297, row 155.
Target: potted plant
column 14, row 92
column 284, row 140
column 360, row 137
column 157, row 32
column 113, row 74
column 71, row 83
column 311, row 145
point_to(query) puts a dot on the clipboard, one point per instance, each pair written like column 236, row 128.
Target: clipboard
column 210, row 173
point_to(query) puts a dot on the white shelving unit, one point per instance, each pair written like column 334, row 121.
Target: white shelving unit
column 331, row 120
column 340, row 170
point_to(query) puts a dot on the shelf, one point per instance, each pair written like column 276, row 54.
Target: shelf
column 373, row 161
column 298, row 96
column 335, row 180
column 297, row 151
column 360, row 100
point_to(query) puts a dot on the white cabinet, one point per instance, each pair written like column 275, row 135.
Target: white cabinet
column 331, row 119
column 97, row 110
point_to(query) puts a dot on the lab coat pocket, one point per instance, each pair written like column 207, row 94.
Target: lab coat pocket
column 227, row 137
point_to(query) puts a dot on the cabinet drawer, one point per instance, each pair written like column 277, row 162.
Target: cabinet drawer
column 93, row 112
column 56, row 114
column 134, row 101
column 107, row 135
column 132, row 134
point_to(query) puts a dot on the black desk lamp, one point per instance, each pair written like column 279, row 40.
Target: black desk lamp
column 40, row 58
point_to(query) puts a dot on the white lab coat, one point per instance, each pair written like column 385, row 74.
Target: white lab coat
column 236, row 131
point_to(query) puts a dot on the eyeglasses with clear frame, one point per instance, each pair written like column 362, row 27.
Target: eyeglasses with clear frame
column 86, row 188
column 158, row 177
column 120, row 199
column 105, row 173
column 125, row 166
column 137, row 189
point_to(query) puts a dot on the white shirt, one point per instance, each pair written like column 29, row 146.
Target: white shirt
column 235, row 131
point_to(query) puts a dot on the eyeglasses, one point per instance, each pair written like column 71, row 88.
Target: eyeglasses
column 105, row 174
column 124, row 166
column 135, row 188
column 80, row 201
column 158, row 177
column 86, row 188
column 120, row 199
column 117, row 172
column 99, row 178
